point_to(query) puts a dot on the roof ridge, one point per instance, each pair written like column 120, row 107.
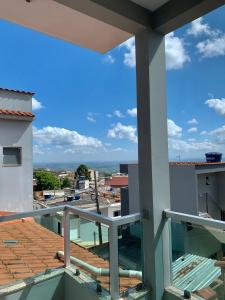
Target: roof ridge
column 17, row 91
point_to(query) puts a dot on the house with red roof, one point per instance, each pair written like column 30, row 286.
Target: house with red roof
column 16, row 159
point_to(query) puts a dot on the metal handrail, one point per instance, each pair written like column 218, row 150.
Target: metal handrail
column 91, row 216
column 181, row 217
column 112, row 223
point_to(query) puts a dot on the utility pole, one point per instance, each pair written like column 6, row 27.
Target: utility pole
column 98, row 209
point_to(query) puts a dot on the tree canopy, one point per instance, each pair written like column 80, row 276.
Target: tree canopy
column 82, row 170
column 46, row 181
column 66, row 183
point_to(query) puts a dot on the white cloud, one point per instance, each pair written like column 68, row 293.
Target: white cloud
column 36, row 105
column 218, row 134
column 192, row 130
column 120, row 131
column 193, row 122
column 182, row 145
column 218, row 105
column 174, row 130
column 212, row 47
column 176, row 54
column 109, row 59
column 118, row 114
column 119, row 149
column 132, row 112
column 109, row 115
column 129, row 56
column 204, row 132
column 56, row 136
column 91, row 118
column 198, row 27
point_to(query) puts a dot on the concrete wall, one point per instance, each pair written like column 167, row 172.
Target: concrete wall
column 62, row 286
column 183, row 189
column 134, row 202
column 16, row 183
column 221, row 189
column 208, row 194
column 74, row 288
column 124, row 201
column 15, row 101
column 187, row 190
column 110, row 210
column 50, row 289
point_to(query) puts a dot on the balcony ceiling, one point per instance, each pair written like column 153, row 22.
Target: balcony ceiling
column 60, row 21
column 152, row 5
column 101, row 25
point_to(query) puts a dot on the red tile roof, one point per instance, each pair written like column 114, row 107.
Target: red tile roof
column 193, row 163
column 4, row 213
column 17, row 91
column 117, row 181
column 16, row 113
column 34, row 250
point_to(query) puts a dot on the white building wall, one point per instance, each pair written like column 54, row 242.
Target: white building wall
column 183, row 189
column 208, row 194
column 15, row 101
column 16, row 182
column 221, row 189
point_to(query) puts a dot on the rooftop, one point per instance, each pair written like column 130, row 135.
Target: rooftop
column 28, row 249
column 197, row 163
column 117, row 181
column 17, row 91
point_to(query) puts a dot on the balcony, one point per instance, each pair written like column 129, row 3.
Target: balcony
column 35, row 260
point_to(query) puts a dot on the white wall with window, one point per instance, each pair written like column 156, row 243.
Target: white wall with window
column 16, row 158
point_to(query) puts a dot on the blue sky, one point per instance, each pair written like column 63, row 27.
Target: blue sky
column 85, row 102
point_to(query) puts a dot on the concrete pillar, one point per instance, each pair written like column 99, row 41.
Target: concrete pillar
column 153, row 159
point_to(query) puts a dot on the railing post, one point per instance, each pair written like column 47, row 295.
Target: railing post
column 113, row 262
column 66, row 234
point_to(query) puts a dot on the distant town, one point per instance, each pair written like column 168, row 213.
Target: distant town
column 84, row 187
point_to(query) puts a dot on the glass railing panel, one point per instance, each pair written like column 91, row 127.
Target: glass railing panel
column 89, row 250
column 198, row 255
column 88, row 233
column 27, row 250
column 130, row 257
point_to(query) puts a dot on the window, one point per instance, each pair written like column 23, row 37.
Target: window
column 116, row 213
column 12, row 156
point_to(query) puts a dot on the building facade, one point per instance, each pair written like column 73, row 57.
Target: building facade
column 16, row 151
column 195, row 188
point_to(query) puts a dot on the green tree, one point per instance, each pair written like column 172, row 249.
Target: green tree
column 46, row 181
column 82, row 170
column 66, row 183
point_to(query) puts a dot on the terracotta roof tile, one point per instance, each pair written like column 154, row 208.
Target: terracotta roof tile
column 17, row 91
column 35, row 251
column 16, row 113
column 117, row 181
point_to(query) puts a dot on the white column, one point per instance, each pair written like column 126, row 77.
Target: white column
column 153, row 159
